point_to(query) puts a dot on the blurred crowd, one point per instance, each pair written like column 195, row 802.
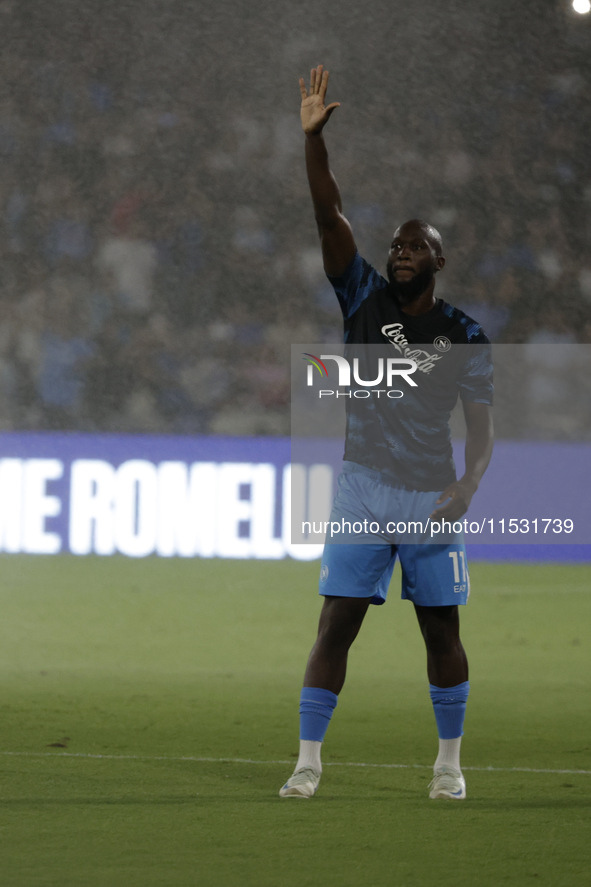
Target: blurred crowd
column 158, row 251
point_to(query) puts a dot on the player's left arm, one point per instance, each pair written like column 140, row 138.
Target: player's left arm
column 478, row 451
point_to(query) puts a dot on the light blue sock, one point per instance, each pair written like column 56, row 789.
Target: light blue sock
column 316, row 708
column 449, row 705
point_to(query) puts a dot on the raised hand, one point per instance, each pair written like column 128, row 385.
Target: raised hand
column 314, row 113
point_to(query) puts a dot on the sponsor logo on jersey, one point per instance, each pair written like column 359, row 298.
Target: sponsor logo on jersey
column 423, row 359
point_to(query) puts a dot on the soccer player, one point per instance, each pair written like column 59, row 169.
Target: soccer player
column 397, row 461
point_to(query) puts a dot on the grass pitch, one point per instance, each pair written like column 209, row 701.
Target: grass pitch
column 149, row 717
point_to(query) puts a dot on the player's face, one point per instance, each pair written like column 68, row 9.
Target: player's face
column 412, row 261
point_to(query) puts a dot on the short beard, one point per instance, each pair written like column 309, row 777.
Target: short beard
column 409, row 291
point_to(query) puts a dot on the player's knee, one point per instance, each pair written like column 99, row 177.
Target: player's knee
column 440, row 632
column 441, row 643
column 340, row 622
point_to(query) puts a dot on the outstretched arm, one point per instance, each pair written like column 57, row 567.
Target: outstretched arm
column 479, row 446
column 336, row 237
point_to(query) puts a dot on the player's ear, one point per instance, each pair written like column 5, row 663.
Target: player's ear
column 439, row 262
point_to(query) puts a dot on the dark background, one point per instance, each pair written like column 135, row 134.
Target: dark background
column 159, row 253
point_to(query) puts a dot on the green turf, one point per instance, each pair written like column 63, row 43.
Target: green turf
column 121, row 678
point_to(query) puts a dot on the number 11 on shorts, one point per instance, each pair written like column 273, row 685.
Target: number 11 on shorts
column 458, row 559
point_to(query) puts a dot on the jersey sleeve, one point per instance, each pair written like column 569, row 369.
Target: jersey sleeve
column 476, row 380
column 355, row 284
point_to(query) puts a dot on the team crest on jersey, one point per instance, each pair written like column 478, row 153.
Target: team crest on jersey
column 423, row 359
column 442, row 343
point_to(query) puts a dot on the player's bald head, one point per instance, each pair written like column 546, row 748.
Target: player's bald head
column 424, row 229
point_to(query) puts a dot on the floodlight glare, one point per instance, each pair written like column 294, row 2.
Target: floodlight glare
column 582, row 6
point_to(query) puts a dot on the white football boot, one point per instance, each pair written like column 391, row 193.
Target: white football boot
column 302, row 784
column 448, row 783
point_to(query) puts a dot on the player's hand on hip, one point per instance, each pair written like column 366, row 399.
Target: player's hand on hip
column 314, row 113
column 454, row 500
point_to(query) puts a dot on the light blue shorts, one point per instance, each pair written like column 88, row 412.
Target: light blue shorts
column 372, row 524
